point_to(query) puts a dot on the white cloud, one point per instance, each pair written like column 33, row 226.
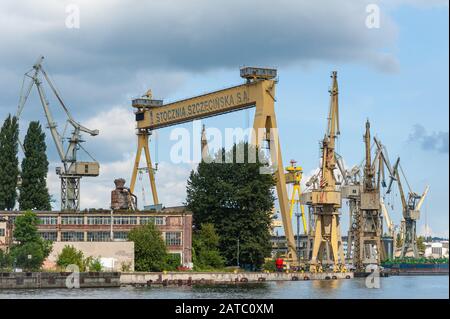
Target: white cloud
column 96, row 191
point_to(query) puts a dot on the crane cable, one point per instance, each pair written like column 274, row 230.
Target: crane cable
column 404, row 176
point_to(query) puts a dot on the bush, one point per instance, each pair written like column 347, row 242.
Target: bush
column 94, row 264
column 71, row 256
column 173, row 261
column 269, row 265
column 5, row 261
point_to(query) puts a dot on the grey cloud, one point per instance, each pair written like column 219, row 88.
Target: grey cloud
column 435, row 141
column 100, row 63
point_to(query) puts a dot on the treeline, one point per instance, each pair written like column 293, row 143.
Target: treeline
column 26, row 186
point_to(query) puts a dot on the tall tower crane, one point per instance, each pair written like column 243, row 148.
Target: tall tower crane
column 411, row 213
column 325, row 199
column 72, row 170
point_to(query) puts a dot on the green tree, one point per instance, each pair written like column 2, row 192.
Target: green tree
column 205, row 248
column 33, row 190
column 31, row 250
column 69, row 255
column 237, row 198
column 421, row 244
column 5, row 260
column 150, row 252
column 9, row 163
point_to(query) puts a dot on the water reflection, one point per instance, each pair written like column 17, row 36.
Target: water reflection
column 391, row 287
column 326, row 284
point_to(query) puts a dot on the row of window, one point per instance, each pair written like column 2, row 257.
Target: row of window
column 103, row 220
column 171, row 238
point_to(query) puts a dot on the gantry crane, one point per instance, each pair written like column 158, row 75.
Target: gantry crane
column 72, row 170
column 411, row 213
column 325, row 199
column 258, row 92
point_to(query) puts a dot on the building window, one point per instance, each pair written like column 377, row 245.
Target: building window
column 173, row 238
column 125, row 220
column 436, row 250
column 72, row 236
column 2, row 232
column 156, row 220
column 48, row 220
column 122, row 235
column 51, row 235
column 72, row 220
column 99, row 220
column 99, row 236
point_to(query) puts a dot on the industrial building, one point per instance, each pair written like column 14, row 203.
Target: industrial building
column 95, row 226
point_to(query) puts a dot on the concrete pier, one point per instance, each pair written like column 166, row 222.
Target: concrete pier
column 188, row 278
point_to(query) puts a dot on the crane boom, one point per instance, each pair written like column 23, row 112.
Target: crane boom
column 422, row 198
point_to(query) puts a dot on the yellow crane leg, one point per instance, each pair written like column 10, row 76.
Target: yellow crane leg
column 143, row 144
column 151, row 175
column 136, row 165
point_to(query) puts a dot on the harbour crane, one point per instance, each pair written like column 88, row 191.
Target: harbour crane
column 411, row 213
column 72, row 169
column 362, row 187
column 325, row 200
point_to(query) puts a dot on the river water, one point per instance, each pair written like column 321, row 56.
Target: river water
column 403, row 287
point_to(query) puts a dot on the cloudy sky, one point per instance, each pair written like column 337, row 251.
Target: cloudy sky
column 395, row 74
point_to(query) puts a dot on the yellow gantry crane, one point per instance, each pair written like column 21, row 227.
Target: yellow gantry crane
column 294, row 177
column 257, row 92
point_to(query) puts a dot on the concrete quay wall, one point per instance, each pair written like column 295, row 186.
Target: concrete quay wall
column 187, row 278
column 36, row 280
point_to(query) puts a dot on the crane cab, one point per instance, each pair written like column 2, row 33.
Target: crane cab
column 81, row 169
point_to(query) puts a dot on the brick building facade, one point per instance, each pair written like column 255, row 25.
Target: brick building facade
column 174, row 223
